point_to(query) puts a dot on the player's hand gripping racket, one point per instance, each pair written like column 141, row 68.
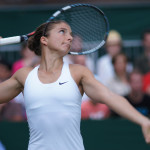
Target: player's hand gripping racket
column 89, row 25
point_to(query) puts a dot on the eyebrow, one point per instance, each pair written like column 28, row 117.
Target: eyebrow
column 62, row 28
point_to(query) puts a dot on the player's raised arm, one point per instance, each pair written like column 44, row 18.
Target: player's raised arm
column 9, row 89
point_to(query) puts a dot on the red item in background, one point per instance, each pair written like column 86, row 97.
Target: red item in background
column 146, row 81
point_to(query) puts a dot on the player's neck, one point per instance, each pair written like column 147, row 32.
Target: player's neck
column 49, row 63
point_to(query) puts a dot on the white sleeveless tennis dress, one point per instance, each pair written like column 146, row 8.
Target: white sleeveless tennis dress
column 53, row 112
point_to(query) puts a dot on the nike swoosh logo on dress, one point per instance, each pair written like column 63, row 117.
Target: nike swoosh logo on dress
column 60, row 83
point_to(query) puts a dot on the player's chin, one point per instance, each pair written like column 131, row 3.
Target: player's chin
column 66, row 47
column 65, row 51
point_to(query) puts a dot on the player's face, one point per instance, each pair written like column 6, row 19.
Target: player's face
column 60, row 38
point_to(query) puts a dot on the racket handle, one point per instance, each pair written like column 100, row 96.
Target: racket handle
column 10, row 40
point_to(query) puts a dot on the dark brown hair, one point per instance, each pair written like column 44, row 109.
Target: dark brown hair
column 42, row 30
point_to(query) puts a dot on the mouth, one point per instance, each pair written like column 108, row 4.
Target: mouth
column 68, row 45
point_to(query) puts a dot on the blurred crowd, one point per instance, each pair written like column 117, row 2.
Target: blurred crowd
column 114, row 70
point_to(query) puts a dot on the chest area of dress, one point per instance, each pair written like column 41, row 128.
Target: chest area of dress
column 63, row 93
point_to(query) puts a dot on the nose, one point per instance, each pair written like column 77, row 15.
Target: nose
column 70, row 38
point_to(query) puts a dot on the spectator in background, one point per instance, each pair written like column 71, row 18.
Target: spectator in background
column 143, row 62
column 119, row 82
column 137, row 97
column 28, row 59
column 79, row 59
column 11, row 111
column 113, row 45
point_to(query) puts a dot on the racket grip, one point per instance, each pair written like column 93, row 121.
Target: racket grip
column 10, row 40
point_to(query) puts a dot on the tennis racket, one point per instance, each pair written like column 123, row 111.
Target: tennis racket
column 89, row 26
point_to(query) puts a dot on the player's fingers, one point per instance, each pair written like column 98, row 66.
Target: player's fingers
column 146, row 132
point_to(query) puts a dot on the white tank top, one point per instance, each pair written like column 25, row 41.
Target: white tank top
column 53, row 112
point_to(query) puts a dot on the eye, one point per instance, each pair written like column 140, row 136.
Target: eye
column 62, row 31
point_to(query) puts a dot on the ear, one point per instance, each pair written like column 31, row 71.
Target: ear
column 43, row 40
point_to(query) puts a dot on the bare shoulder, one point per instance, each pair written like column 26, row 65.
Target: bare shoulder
column 22, row 74
column 80, row 71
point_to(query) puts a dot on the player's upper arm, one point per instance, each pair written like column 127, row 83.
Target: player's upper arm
column 93, row 88
column 9, row 89
column 13, row 86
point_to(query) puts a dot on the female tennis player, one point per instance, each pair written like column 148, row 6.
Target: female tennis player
column 53, row 92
